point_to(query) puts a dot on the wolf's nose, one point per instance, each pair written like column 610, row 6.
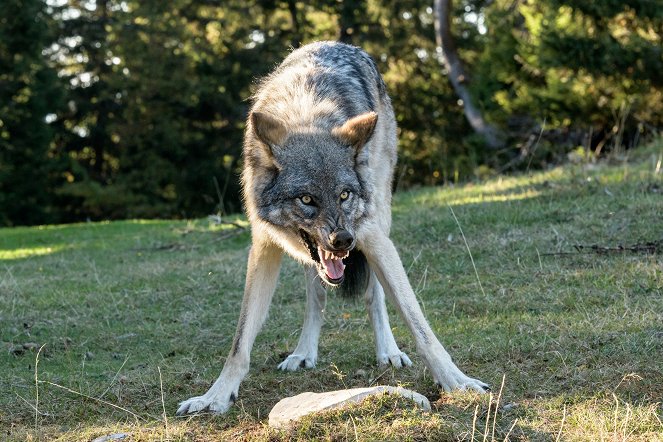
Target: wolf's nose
column 341, row 239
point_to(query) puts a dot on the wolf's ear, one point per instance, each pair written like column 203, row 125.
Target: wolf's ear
column 357, row 130
column 270, row 130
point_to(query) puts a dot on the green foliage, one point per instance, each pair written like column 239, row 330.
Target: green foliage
column 29, row 91
column 114, row 109
column 592, row 68
column 167, row 118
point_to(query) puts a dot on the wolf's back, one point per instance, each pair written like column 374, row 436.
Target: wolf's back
column 323, row 84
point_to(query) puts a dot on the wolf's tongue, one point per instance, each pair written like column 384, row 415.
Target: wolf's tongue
column 333, row 267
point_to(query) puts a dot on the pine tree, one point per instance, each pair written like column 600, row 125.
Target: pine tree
column 29, row 95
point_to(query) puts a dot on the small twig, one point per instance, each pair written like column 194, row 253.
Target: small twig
column 648, row 247
column 616, row 414
column 355, row 427
column 232, row 224
column 218, row 194
column 375, row 379
column 543, row 127
column 506, row 438
column 37, row 389
column 27, row 402
column 652, row 247
column 561, row 426
column 114, row 377
column 238, row 229
column 485, row 430
column 474, row 421
column 497, row 404
column 525, row 151
column 93, row 399
column 539, row 256
column 163, row 403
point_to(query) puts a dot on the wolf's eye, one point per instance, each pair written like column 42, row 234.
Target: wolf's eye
column 344, row 195
column 306, row 200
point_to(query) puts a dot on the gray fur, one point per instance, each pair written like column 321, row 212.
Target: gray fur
column 319, row 158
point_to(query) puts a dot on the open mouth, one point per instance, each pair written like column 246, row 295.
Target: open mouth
column 330, row 263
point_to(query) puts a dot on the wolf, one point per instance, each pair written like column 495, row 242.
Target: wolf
column 319, row 156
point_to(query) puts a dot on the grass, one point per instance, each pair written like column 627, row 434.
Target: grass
column 105, row 327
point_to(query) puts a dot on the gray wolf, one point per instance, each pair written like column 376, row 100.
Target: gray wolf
column 319, row 156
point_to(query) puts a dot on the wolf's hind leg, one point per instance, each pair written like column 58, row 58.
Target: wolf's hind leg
column 306, row 352
column 386, row 349
column 261, row 277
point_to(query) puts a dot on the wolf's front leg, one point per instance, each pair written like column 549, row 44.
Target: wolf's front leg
column 384, row 260
column 261, row 276
column 386, row 349
column 306, row 353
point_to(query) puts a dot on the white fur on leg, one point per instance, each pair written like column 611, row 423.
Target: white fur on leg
column 221, row 395
column 261, row 276
column 384, row 260
column 386, row 349
column 306, row 352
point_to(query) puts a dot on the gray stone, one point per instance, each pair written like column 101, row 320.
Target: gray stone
column 112, row 437
column 292, row 408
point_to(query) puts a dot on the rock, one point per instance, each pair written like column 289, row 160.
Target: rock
column 111, row 437
column 292, row 408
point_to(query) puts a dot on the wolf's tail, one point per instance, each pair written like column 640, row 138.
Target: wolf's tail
column 357, row 273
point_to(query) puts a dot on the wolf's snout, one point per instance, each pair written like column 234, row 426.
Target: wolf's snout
column 341, row 239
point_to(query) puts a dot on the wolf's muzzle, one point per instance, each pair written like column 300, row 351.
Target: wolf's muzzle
column 330, row 264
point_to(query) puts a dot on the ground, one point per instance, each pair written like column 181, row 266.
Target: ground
column 106, row 326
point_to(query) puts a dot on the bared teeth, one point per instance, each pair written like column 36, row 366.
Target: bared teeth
column 327, row 255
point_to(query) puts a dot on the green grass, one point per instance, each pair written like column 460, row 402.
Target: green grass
column 132, row 312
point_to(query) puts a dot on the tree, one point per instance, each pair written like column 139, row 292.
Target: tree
column 459, row 77
column 590, row 70
column 116, row 109
column 29, row 94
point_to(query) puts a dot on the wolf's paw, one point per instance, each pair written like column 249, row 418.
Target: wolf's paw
column 475, row 385
column 296, row 361
column 198, row 404
column 464, row 383
column 397, row 359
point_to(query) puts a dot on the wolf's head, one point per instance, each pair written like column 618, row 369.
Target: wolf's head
column 314, row 185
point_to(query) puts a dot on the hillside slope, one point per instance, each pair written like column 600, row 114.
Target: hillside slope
column 562, row 304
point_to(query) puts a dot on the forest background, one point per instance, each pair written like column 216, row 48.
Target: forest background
column 136, row 109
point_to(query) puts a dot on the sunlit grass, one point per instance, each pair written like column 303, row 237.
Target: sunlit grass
column 494, row 198
column 21, row 253
column 612, row 419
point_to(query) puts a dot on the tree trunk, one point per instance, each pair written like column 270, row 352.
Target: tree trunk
column 296, row 40
column 458, row 76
